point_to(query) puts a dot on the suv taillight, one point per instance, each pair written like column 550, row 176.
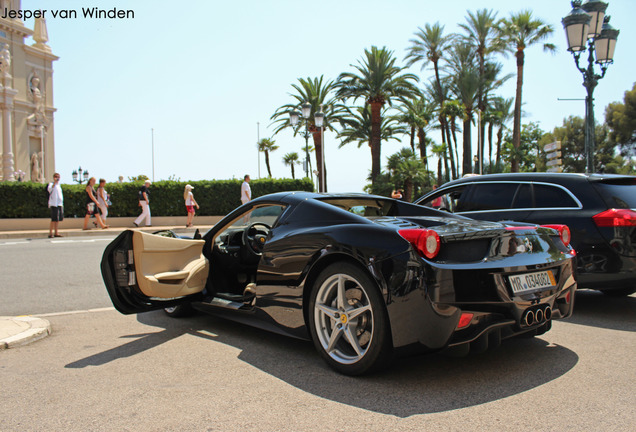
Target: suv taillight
column 615, row 218
column 425, row 242
column 564, row 232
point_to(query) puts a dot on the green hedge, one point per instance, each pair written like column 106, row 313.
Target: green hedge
column 216, row 197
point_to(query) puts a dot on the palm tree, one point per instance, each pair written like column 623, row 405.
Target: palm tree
column 503, row 108
column 378, row 81
column 440, row 151
column 357, row 128
column 319, row 94
column 453, row 110
column 267, row 145
column 481, row 33
column 521, row 30
column 440, row 99
column 430, row 46
column 417, row 114
column 291, row 159
column 406, row 168
column 464, row 81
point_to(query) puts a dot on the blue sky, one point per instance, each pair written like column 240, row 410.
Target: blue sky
column 202, row 74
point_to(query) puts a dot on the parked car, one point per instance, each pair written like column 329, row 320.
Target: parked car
column 361, row 276
column 600, row 211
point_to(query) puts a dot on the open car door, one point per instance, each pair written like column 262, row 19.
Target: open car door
column 144, row 272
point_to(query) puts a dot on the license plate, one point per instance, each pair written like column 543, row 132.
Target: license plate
column 532, row 281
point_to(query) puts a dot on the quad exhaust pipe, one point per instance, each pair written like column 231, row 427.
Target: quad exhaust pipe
column 537, row 316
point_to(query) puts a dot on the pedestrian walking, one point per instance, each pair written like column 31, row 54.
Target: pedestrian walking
column 246, row 191
column 144, row 203
column 56, row 204
column 190, row 203
column 91, row 205
column 103, row 201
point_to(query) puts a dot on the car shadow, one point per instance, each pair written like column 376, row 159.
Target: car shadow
column 415, row 385
column 593, row 308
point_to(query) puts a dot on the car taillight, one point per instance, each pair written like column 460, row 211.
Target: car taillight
column 564, row 232
column 615, row 218
column 425, row 242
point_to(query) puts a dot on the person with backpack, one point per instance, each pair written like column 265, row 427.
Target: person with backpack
column 144, row 203
column 56, row 204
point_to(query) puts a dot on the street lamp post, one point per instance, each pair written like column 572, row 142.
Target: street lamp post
column 587, row 28
column 82, row 177
column 319, row 119
column 294, row 117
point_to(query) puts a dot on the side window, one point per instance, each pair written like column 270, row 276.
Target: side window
column 448, row 201
column 546, row 196
column 490, row 196
column 523, row 198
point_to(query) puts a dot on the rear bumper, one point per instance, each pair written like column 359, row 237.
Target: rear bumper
column 428, row 316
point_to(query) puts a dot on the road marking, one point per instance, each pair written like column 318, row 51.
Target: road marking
column 14, row 243
column 75, row 312
column 80, row 241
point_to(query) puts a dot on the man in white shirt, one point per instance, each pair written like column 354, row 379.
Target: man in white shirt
column 56, row 204
column 246, row 192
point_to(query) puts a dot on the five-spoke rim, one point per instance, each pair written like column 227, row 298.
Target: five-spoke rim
column 343, row 318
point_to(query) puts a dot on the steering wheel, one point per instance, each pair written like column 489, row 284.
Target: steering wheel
column 254, row 238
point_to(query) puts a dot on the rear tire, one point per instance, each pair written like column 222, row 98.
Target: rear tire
column 348, row 321
column 619, row 292
column 179, row 311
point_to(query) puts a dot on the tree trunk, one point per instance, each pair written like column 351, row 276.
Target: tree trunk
column 269, row 171
column 449, row 147
column 490, row 128
column 499, row 138
column 292, row 167
column 375, row 141
column 467, row 165
column 413, row 138
column 439, row 170
column 408, row 189
column 516, row 130
column 421, row 136
column 454, row 130
column 319, row 153
column 445, row 166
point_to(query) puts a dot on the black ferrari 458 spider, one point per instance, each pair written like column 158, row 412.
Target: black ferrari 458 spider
column 362, row 276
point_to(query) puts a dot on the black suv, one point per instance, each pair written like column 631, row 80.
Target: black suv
column 600, row 211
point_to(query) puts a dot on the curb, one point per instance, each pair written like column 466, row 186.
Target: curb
column 22, row 330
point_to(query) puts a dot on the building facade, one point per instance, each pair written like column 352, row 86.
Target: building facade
column 26, row 99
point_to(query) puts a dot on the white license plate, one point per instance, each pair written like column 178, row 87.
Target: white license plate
column 532, row 281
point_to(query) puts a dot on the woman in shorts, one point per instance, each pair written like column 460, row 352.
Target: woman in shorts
column 190, row 203
column 92, row 205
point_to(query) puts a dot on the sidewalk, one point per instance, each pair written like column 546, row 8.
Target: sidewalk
column 22, row 330
column 39, row 228
column 18, row 331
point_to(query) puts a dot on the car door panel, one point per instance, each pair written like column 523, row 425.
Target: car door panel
column 169, row 267
column 144, row 272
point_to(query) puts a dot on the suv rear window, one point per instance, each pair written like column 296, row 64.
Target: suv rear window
column 546, row 196
column 489, row 196
column 618, row 195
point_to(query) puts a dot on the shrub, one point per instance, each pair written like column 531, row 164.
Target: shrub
column 215, row 197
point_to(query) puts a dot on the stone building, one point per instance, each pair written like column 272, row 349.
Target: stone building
column 26, row 98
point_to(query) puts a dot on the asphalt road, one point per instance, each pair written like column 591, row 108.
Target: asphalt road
column 101, row 370
column 51, row 275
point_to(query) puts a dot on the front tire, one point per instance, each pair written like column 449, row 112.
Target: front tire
column 179, row 311
column 348, row 321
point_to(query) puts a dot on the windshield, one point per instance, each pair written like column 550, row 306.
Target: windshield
column 363, row 206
